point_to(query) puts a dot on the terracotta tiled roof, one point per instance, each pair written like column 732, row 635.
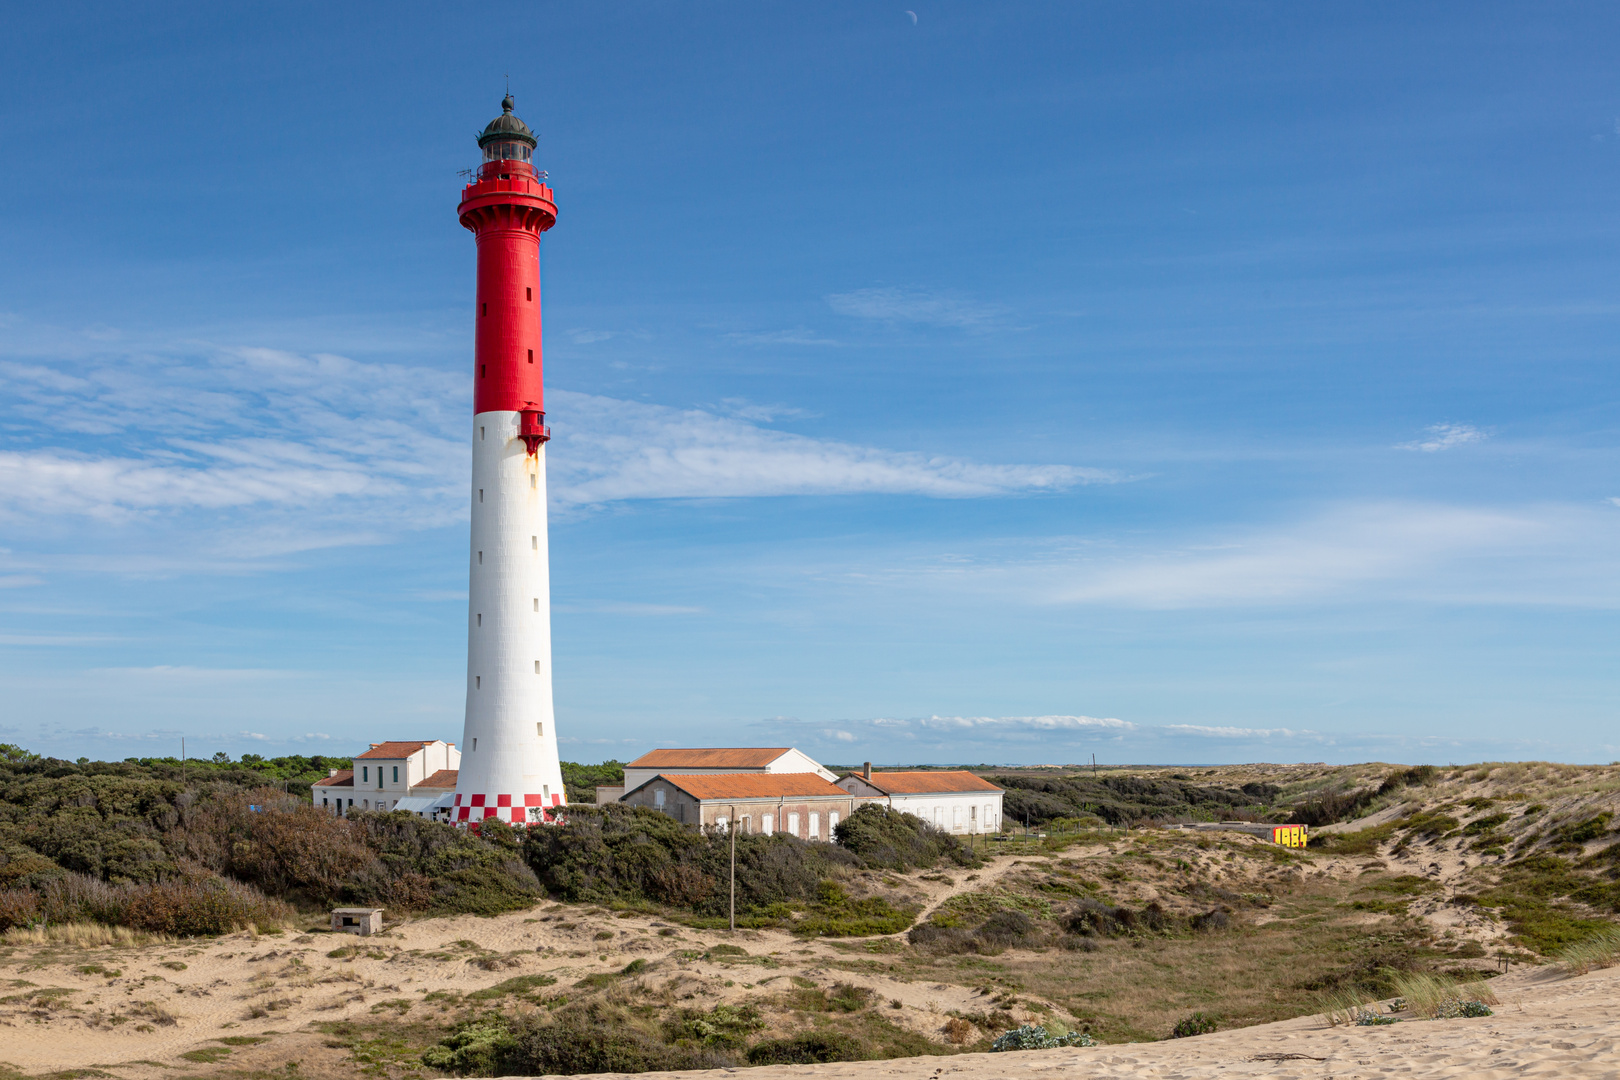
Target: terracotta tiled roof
column 928, row 782
column 444, row 778
column 747, row 757
column 754, row 785
column 394, row 750
column 344, row 778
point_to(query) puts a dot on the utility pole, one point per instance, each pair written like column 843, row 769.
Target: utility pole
column 731, row 827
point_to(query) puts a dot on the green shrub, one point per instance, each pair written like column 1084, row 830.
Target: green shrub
column 1196, row 1024
column 836, row 914
column 892, row 839
column 725, row 1027
column 812, row 1048
column 1034, row 1037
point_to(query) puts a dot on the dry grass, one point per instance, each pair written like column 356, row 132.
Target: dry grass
column 1599, row 951
column 83, row 935
column 1427, row 994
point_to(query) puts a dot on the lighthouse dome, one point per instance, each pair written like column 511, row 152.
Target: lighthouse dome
column 506, row 136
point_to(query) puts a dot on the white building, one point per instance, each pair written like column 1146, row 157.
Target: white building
column 955, row 801
column 712, row 760
column 409, row 775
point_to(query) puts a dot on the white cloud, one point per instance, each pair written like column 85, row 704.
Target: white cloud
column 1444, row 437
column 753, row 411
column 1232, row 732
column 1340, row 552
column 261, row 452
column 914, row 306
column 798, row 336
column 610, row 450
column 838, row 735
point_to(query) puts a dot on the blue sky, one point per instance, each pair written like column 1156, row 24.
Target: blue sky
column 1018, row 382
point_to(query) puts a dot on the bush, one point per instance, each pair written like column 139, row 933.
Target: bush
column 894, row 840
column 1196, row 1024
column 836, row 914
column 1033, row 1037
column 812, row 1048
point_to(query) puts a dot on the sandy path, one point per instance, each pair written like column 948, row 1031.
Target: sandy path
column 1546, row 1026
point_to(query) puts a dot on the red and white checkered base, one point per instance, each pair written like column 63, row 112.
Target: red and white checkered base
column 513, row 808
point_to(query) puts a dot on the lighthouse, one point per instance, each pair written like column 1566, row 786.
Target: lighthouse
column 509, row 765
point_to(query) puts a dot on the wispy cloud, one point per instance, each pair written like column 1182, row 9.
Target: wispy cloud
column 797, row 336
column 758, row 413
column 1339, row 552
column 1444, row 437
column 913, row 306
column 611, row 450
column 281, row 452
column 1244, row 733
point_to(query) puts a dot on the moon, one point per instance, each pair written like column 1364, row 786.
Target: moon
column 913, row 15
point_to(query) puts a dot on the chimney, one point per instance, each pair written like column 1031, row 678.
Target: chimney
column 331, row 772
column 866, row 770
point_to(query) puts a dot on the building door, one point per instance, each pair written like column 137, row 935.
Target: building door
column 815, row 826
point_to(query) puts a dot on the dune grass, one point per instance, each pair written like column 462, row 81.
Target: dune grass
column 1428, row 994
column 1601, row 950
column 84, row 935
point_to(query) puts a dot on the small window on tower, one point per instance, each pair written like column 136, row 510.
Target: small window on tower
column 529, row 292
column 534, row 480
column 531, row 356
column 537, row 667
column 480, row 434
column 480, row 494
column 475, row 744
column 480, row 619
column 485, row 308
column 537, row 603
column 478, row 684
column 480, row 558
column 534, row 542
column 483, row 369
column 540, row 729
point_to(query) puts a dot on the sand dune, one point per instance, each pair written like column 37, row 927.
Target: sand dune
column 1547, row 1025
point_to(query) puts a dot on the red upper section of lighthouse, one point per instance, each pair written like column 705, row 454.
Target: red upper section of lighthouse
column 507, row 208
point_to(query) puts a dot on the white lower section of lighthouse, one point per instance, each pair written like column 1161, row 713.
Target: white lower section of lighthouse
column 509, row 764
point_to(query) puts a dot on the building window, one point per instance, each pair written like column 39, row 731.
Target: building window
column 537, row 667
column 722, row 823
column 365, row 804
column 793, row 825
column 480, row 434
column 534, row 480
column 480, row 494
column 767, row 824
column 480, row 558
column 528, row 292
column 483, row 369
column 478, row 684
column 746, row 825
column 365, row 774
column 480, row 618
column 534, row 543
column 537, row 603
column 531, row 356
column 484, row 310
column 832, row 822
column 396, row 774
column 539, row 727
column 475, row 744
column 545, row 792
column 956, row 817
column 815, row 826
column 658, row 799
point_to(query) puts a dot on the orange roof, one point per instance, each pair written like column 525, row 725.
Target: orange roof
column 444, row 778
column 753, row 785
column 927, row 783
column 344, row 778
column 747, row 757
column 394, row 750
